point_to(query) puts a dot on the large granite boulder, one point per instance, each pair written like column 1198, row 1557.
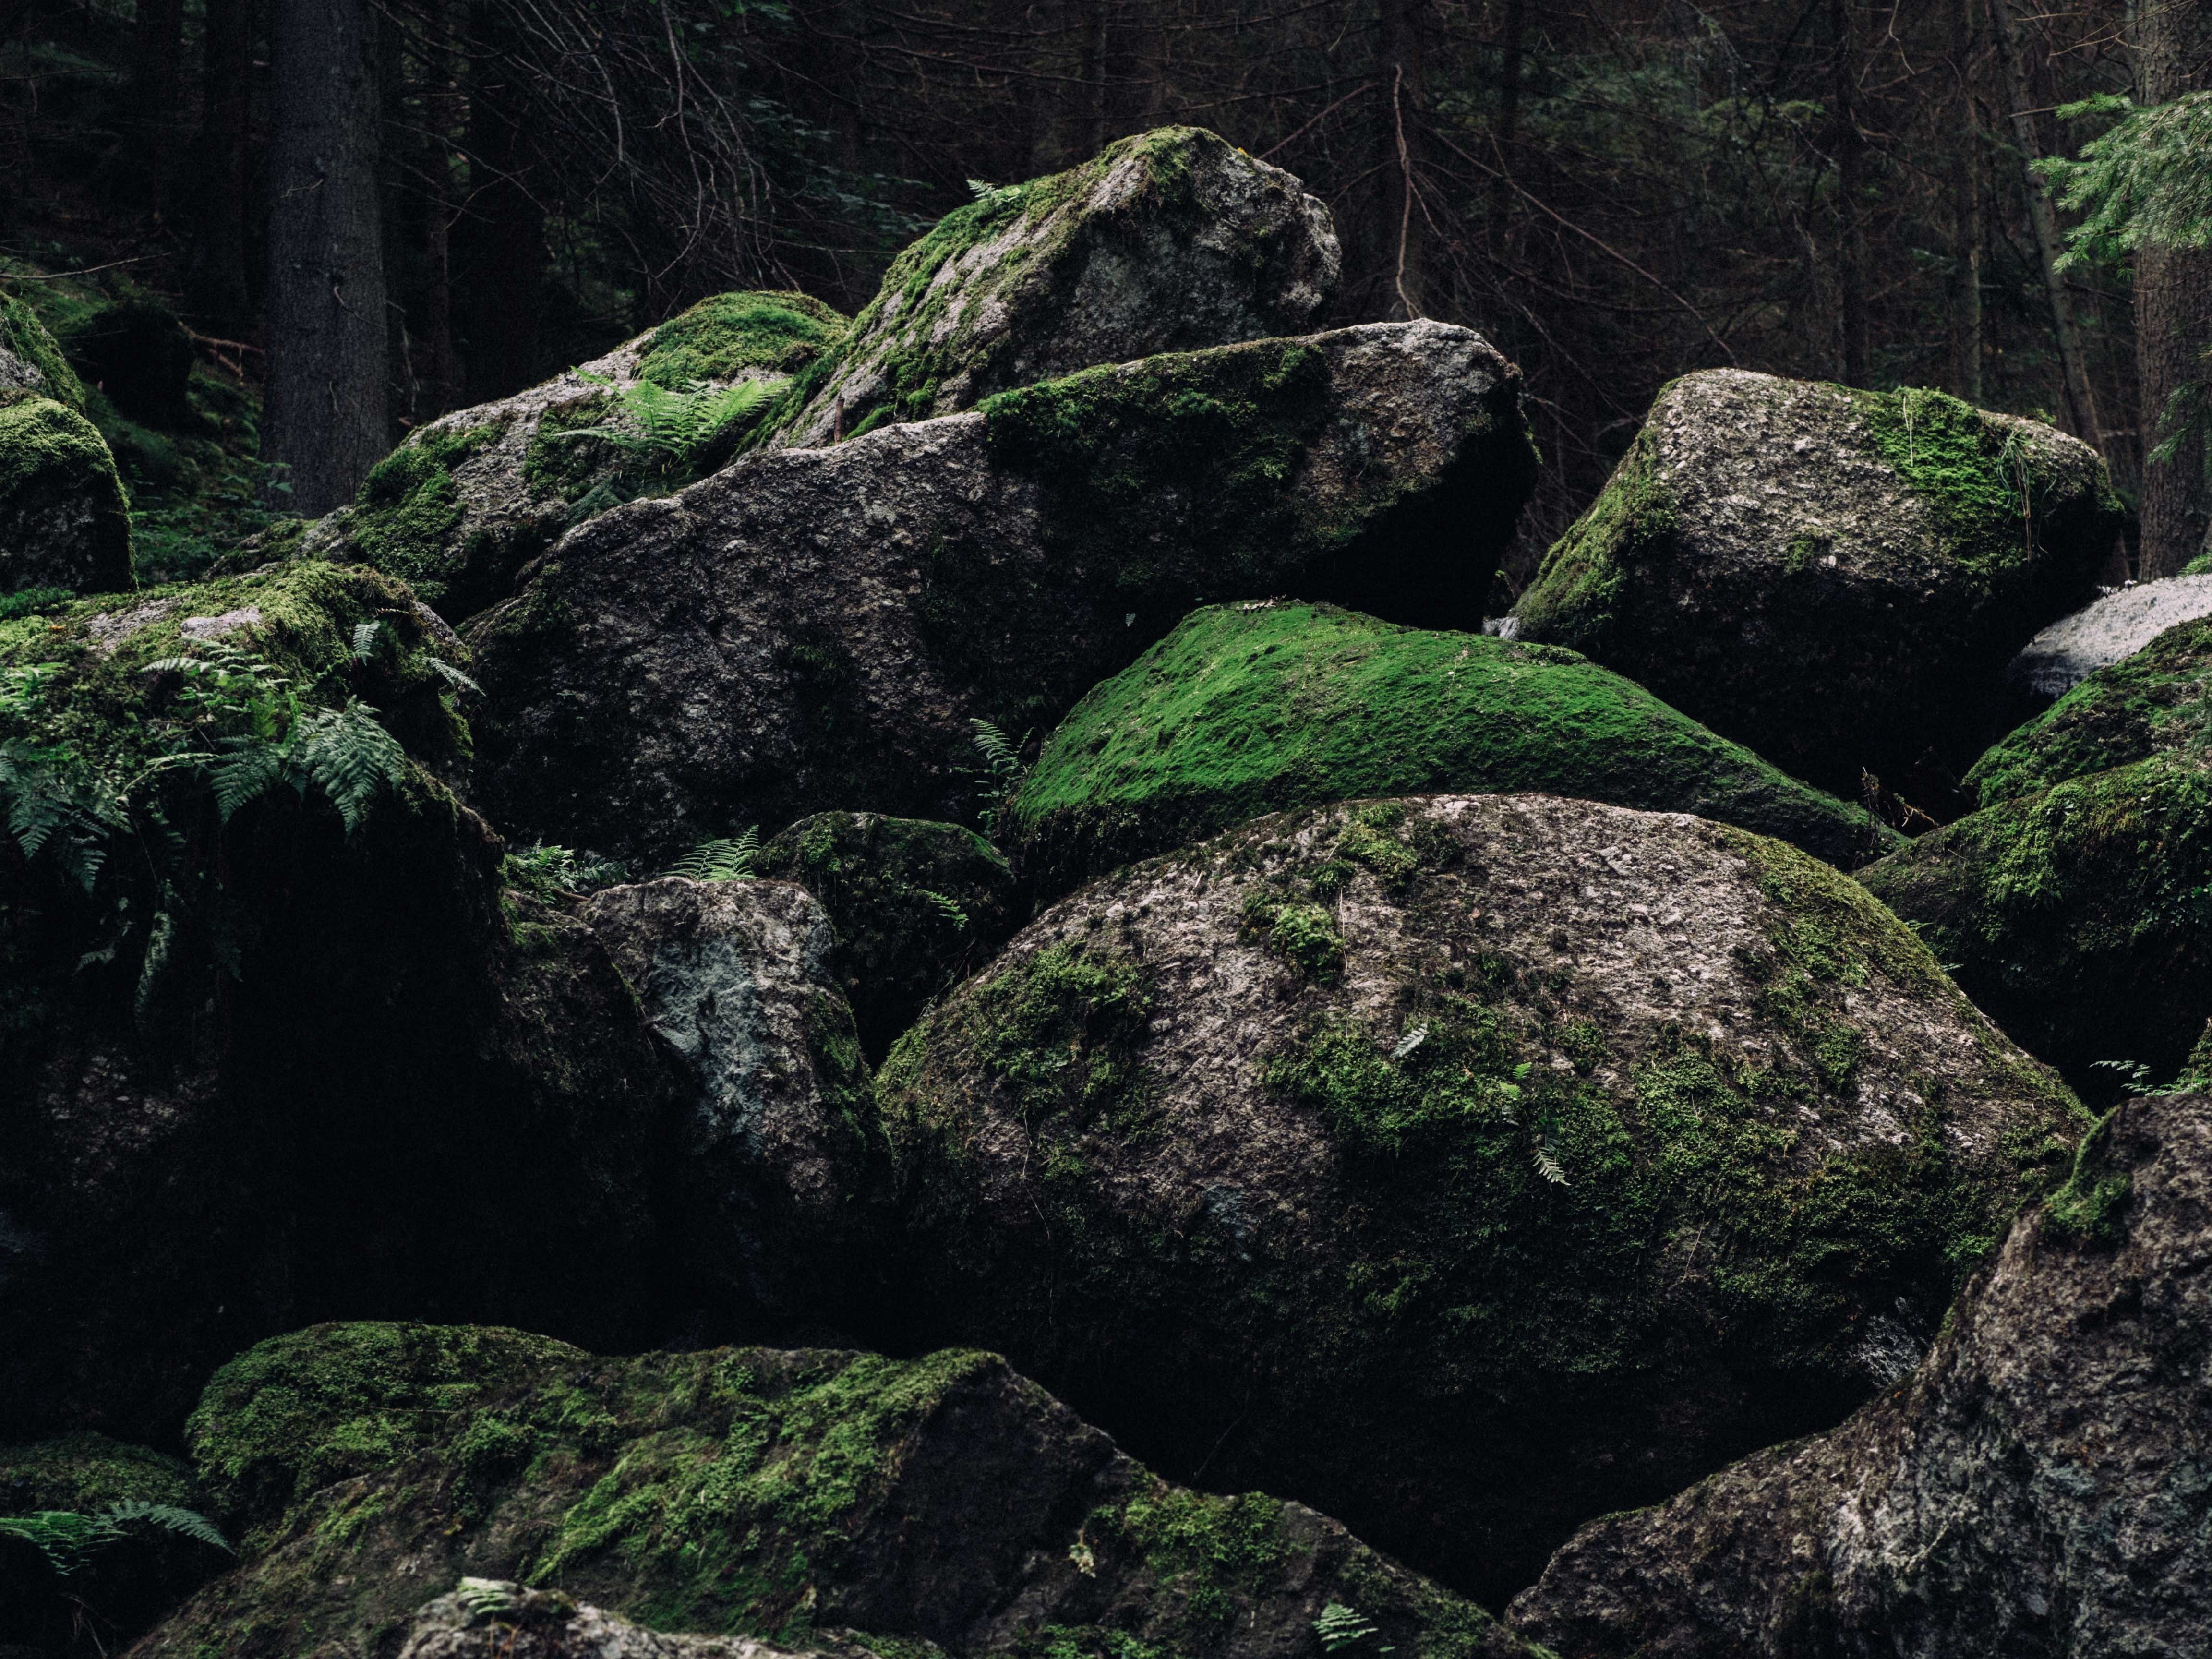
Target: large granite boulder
column 750, row 1491
column 64, row 519
column 1467, row 1166
column 775, row 1159
column 1170, row 240
column 2150, row 701
column 2112, row 629
column 488, row 1618
column 817, row 629
column 1834, row 578
column 472, row 496
column 916, row 906
column 31, row 360
column 1257, row 708
column 2036, row 1487
column 260, row 1063
column 2080, row 917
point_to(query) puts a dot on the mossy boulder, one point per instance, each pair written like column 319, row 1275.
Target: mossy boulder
column 85, row 1472
column 494, row 1618
column 1252, row 708
column 1834, row 578
column 472, row 496
column 2151, row 701
column 1465, row 1166
column 812, row 630
column 1170, row 240
column 257, row 1063
column 777, row 1168
column 2036, row 1487
column 2079, row 916
column 31, row 360
column 2112, row 629
column 916, row 906
column 763, row 1492
column 64, row 519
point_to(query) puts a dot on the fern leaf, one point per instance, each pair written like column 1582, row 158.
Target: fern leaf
column 184, row 1524
column 1340, row 1626
column 350, row 757
column 244, row 776
column 719, row 861
column 453, row 676
column 364, row 639
column 1548, row 1166
column 948, row 907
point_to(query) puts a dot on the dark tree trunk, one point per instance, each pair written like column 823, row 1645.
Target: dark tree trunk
column 1509, row 75
column 218, row 282
column 157, row 46
column 2173, row 310
column 505, row 230
column 1968, row 233
column 1399, row 73
column 324, row 420
column 442, row 111
column 1850, row 188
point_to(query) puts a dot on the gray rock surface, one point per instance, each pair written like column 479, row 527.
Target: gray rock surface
column 64, row 519
column 815, row 629
column 1170, row 240
column 1834, row 578
column 2117, row 625
column 1465, row 1166
column 2037, row 1487
column 774, row 1157
column 496, row 1619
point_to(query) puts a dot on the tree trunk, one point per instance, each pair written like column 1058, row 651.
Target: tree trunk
column 1399, row 73
column 217, row 282
column 2081, row 397
column 441, row 113
column 1968, row 233
column 157, row 46
column 1850, row 186
column 324, row 420
column 2173, row 312
column 506, row 228
column 1510, row 73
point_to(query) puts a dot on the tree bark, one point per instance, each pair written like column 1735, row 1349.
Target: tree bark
column 2173, row 312
column 1968, row 232
column 324, row 419
column 1399, row 74
column 1850, row 186
column 217, row 283
column 2080, row 396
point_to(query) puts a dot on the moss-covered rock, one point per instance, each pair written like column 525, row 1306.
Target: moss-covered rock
column 86, row 1472
column 1465, row 1166
column 498, row 1619
column 816, row 629
column 917, row 905
column 1834, row 578
column 472, row 496
column 2153, row 700
column 2080, row 917
column 1170, row 240
column 257, row 1064
column 31, row 360
column 755, row 1492
column 64, row 519
column 2035, row 1487
column 1253, row 709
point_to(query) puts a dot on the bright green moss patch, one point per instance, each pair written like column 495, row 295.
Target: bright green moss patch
column 2091, row 1206
column 64, row 517
column 24, row 336
column 1249, row 710
column 409, row 507
column 88, row 1472
column 1064, row 1032
column 2159, row 699
column 1973, row 468
column 727, row 334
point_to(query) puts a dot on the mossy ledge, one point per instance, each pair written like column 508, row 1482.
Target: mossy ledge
column 1254, row 708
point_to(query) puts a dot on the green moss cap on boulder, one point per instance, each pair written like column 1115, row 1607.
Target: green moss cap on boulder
column 1834, row 578
column 86, row 1471
column 2152, row 701
column 750, row 1492
column 726, row 336
column 2080, row 917
column 1170, row 240
column 1252, row 708
column 31, row 360
column 64, row 519
column 915, row 904
column 1465, row 1166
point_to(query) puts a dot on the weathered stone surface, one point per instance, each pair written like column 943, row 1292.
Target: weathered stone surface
column 1265, row 706
column 472, row 496
column 2036, row 1487
column 917, row 905
column 259, row 1070
column 2150, row 702
column 32, row 362
column 815, row 629
column 775, row 1147
column 748, row 1491
column 2079, row 917
column 2115, row 627
column 1465, row 1166
column 1834, row 578
column 491, row 1619
column 1170, row 240
column 64, row 520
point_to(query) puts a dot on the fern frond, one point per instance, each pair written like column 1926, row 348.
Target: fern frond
column 453, row 676
column 350, row 757
column 948, row 907
column 998, row 754
column 719, row 861
column 1340, row 1626
column 1548, row 1166
column 248, row 772
column 184, row 1524
column 364, row 639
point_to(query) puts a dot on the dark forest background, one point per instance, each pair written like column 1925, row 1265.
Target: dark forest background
column 1615, row 192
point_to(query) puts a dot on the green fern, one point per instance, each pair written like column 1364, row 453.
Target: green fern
column 947, row 908
column 719, row 861
column 69, row 1540
column 1340, row 1626
column 673, row 429
column 1002, row 769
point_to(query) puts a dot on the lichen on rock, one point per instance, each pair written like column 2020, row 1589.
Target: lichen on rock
column 1170, row 240
column 1467, row 1165
column 64, row 517
column 1833, row 578
column 1257, row 708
